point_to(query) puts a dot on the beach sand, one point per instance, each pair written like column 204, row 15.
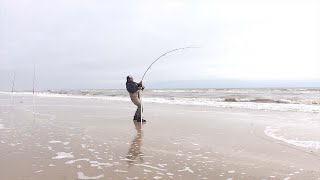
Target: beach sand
column 87, row 138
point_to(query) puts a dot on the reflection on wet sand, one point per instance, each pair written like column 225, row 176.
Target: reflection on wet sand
column 135, row 146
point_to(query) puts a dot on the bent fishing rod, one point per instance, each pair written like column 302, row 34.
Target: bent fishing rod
column 164, row 55
column 190, row 47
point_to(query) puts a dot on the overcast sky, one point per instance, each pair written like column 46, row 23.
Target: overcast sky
column 97, row 43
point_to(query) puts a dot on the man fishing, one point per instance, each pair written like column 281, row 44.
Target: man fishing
column 134, row 88
column 134, row 91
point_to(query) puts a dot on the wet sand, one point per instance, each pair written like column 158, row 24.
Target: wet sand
column 81, row 138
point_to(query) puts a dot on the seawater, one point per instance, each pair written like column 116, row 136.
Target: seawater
column 297, row 100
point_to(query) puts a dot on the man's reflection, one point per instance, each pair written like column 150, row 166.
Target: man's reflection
column 135, row 147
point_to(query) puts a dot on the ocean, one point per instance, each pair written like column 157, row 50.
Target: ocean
column 295, row 100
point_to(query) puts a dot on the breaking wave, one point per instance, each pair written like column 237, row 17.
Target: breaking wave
column 299, row 100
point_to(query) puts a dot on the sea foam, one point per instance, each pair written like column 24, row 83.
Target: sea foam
column 292, row 100
column 274, row 132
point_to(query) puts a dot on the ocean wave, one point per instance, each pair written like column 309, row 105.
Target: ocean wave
column 272, row 104
column 179, row 91
column 280, row 101
column 274, row 132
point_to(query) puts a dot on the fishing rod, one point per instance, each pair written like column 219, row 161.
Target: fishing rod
column 177, row 49
column 164, row 55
